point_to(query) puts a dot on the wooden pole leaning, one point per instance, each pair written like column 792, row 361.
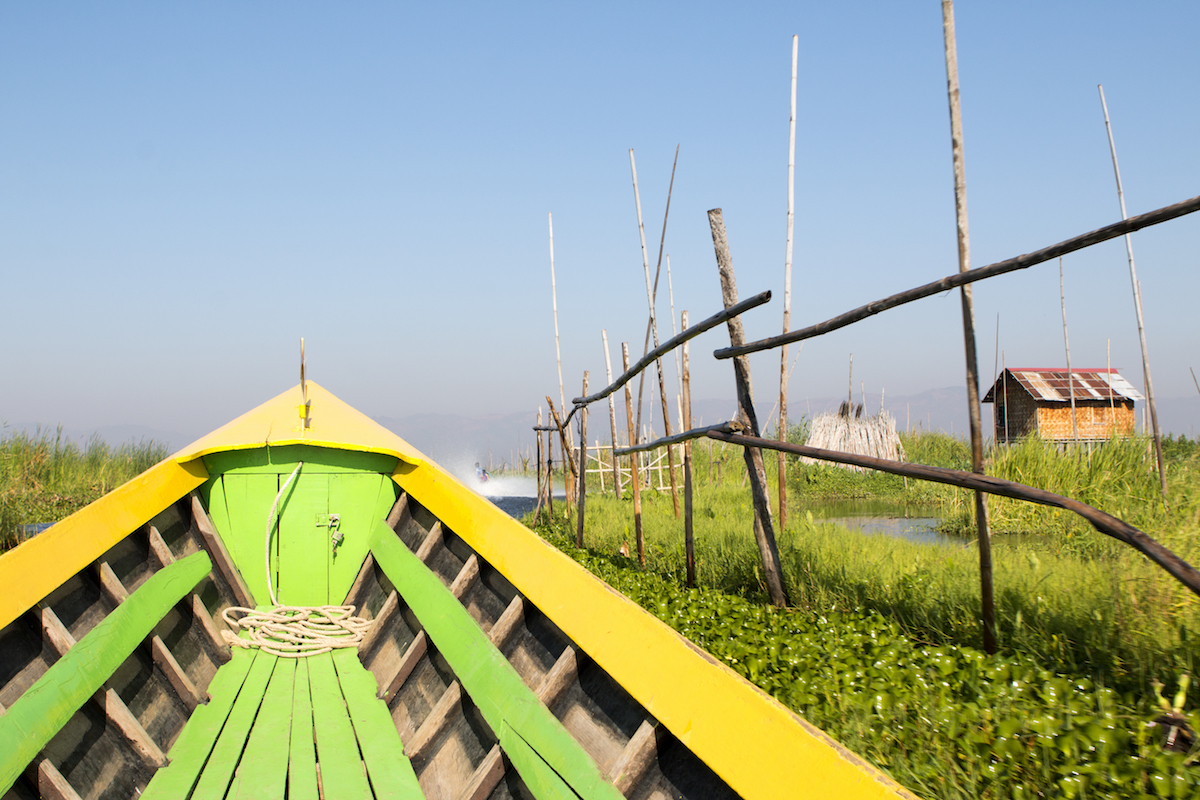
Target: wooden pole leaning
column 537, row 514
column 787, row 294
column 1062, row 295
column 583, row 465
column 1137, row 303
column 686, row 393
column 612, row 417
column 633, row 470
column 764, row 529
column 968, row 313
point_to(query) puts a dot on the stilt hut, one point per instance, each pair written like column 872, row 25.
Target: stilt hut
column 1038, row 401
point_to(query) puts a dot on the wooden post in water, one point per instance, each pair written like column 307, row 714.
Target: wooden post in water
column 612, row 416
column 1137, row 303
column 686, row 394
column 787, row 293
column 583, row 463
column 764, row 529
column 633, row 457
column 968, row 312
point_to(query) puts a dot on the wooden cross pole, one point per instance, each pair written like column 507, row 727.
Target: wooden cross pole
column 764, row 529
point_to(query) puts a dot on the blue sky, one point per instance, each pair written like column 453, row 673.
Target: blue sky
column 186, row 190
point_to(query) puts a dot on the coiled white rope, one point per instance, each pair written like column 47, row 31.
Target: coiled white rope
column 292, row 631
column 295, row 631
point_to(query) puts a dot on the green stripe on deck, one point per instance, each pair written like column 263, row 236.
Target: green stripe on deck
column 489, row 679
column 264, row 767
column 390, row 771
column 46, row 707
column 196, row 740
column 337, row 749
column 302, row 758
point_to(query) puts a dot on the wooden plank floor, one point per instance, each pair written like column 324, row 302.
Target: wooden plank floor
column 280, row 722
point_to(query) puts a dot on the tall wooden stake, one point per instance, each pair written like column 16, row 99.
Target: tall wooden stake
column 612, row 416
column 689, row 546
column 671, row 296
column 1062, row 294
column 662, row 386
column 968, row 310
column 537, row 514
column 764, row 529
column 1137, row 304
column 558, row 356
column 787, row 293
column 583, row 414
column 633, row 459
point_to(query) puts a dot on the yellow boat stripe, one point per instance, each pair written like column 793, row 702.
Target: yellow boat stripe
column 37, row 567
column 760, row 748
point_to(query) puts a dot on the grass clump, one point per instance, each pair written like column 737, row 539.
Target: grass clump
column 45, row 477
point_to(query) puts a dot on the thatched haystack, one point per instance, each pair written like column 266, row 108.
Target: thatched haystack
column 849, row 432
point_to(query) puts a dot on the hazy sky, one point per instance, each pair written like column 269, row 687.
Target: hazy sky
column 187, row 189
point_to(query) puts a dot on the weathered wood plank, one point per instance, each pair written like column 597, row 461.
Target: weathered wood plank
column 217, row 645
column 635, row 759
column 391, row 773
column 302, row 766
column 111, row 585
column 217, row 775
column 47, row 705
column 399, row 510
column 52, row 785
column 416, row 650
column 513, row 616
column 264, row 765
column 337, row 750
column 180, row 682
column 561, row 675
column 120, row 717
column 389, row 609
column 487, row 776
column 466, row 578
column 354, row 597
column 159, row 547
column 449, row 705
column 220, row 556
column 196, row 740
column 432, row 540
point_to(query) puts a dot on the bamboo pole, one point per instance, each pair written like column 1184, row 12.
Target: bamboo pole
column 968, row 313
column 689, row 545
column 567, row 451
column 583, row 464
column 674, row 333
column 550, row 476
column 1137, row 304
column 612, row 415
column 633, row 459
column 942, row 285
column 538, row 466
column 650, row 297
column 558, row 357
column 1004, row 366
column 787, row 292
column 1103, row 522
column 764, row 529
column 1112, row 401
column 1062, row 294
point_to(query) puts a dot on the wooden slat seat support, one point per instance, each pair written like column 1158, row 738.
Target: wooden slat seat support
column 559, row 678
column 513, row 616
column 466, row 577
column 408, row 662
column 432, row 540
column 217, row 645
column 220, row 556
column 398, row 512
column 635, row 759
column 486, row 777
column 390, row 607
column 354, row 597
column 47, row 705
column 439, row 717
column 159, row 547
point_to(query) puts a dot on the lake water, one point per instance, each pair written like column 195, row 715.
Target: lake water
column 872, row 517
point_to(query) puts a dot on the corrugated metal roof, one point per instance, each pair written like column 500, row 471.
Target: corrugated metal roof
column 1054, row 385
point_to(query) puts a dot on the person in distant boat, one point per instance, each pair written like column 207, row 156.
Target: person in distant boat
column 481, row 474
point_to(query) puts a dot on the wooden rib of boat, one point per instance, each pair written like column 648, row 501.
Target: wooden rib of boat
column 494, row 666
